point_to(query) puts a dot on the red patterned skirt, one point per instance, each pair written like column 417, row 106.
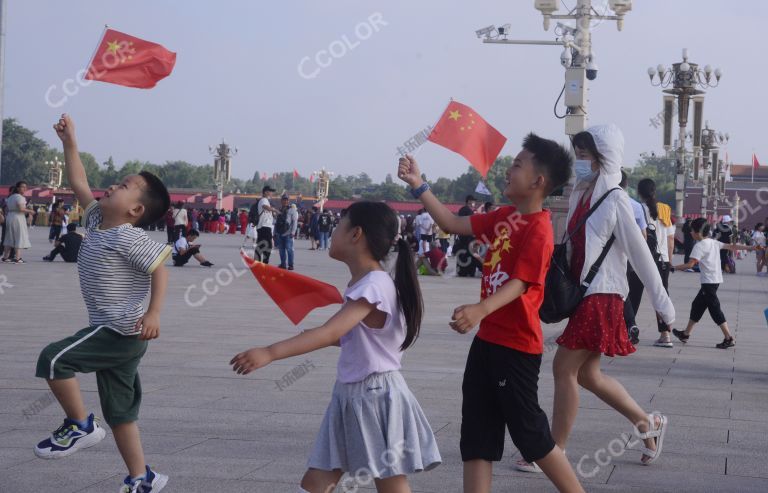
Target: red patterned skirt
column 598, row 325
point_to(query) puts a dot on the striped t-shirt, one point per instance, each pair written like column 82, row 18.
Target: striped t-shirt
column 114, row 266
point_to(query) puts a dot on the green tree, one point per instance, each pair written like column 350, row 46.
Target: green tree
column 23, row 155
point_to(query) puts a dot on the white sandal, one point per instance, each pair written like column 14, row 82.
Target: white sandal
column 524, row 466
column 657, row 433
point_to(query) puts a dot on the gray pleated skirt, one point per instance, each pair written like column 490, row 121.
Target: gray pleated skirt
column 375, row 427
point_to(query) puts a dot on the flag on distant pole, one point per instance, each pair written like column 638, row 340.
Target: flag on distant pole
column 130, row 61
column 295, row 173
column 755, row 165
column 312, row 178
column 295, row 294
column 463, row 131
column 482, row 189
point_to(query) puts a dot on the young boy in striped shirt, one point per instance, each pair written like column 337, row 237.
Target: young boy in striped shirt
column 116, row 264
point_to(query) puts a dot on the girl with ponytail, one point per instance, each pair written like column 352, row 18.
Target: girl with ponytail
column 373, row 423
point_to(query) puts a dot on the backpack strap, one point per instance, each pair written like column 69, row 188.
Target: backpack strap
column 596, row 266
column 592, row 209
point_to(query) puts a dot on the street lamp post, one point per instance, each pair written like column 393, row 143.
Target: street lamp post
column 577, row 57
column 323, row 185
column 712, row 181
column 685, row 78
column 222, row 168
column 55, row 174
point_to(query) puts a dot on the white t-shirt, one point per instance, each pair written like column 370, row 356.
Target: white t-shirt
column 266, row 219
column 181, row 244
column 180, row 217
column 662, row 233
column 759, row 238
column 707, row 252
column 425, row 223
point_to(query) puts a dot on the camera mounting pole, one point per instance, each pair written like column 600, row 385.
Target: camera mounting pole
column 577, row 57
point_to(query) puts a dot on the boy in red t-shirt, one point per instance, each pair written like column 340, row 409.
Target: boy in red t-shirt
column 502, row 372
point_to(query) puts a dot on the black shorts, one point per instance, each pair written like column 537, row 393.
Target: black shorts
column 427, row 238
column 501, row 389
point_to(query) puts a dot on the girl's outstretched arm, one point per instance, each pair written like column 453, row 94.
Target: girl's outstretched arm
column 328, row 334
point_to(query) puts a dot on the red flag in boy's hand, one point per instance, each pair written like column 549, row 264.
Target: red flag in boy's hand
column 129, row 61
column 296, row 295
column 463, row 131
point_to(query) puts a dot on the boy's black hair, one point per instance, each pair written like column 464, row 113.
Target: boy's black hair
column 470, row 198
column 701, row 226
column 155, row 199
column 551, row 158
column 71, row 228
column 193, row 232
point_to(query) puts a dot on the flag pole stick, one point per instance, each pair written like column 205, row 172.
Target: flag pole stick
column 96, row 50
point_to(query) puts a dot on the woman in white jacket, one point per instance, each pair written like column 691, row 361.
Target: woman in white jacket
column 597, row 326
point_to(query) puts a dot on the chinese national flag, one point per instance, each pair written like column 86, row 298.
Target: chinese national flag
column 463, row 131
column 129, row 61
column 296, row 295
column 312, row 178
column 755, row 162
column 295, row 173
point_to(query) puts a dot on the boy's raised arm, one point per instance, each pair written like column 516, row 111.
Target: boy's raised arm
column 408, row 171
column 76, row 176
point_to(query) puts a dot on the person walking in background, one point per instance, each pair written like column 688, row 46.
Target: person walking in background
column 324, row 225
column 706, row 253
column 262, row 216
column 179, row 220
column 688, row 240
column 55, row 218
column 285, row 229
column 758, row 239
column 17, row 230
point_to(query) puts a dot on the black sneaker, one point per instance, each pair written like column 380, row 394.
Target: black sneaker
column 681, row 335
column 69, row 438
column 726, row 343
column 47, row 259
column 634, row 335
column 206, row 264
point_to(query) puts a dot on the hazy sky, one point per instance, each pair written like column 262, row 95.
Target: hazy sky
column 237, row 77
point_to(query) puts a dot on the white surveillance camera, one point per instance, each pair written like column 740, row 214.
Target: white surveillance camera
column 485, row 32
column 566, row 58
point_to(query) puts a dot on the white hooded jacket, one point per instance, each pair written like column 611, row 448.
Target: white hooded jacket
column 615, row 216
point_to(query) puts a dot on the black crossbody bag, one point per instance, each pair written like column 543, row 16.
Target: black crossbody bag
column 562, row 294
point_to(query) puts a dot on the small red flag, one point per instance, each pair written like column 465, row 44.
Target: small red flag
column 312, row 178
column 755, row 162
column 296, row 295
column 463, row 131
column 129, row 61
column 295, row 173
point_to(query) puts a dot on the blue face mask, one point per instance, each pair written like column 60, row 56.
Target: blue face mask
column 583, row 170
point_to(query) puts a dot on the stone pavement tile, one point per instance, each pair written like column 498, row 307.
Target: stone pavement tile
column 194, row 485
column 752, row 465
column 684, row 481
column 10, row 457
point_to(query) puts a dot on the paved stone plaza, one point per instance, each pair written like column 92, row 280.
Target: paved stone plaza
column 213, row 431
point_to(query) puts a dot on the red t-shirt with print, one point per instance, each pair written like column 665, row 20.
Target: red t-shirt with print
column 520, row 247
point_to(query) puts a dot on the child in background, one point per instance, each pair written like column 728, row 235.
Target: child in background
column 758, row 239
column 706, row 253
column 373, row 422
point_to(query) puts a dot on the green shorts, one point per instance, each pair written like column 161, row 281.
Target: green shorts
column 115, row 359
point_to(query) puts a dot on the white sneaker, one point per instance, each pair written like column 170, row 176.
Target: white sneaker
column 661, row 342
column 522, row 465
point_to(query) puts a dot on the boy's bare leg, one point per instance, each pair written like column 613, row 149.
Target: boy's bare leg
column 129, row 444
column 557, row 468
column 199, row 257
column 477, row 476
column 67, row 392
column 317, row 481
column 689, row 329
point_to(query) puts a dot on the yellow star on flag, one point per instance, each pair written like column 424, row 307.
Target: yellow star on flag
column 112, row 47
column 455, row 115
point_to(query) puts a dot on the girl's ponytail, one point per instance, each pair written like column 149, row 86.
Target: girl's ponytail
column 408, row 292
column 380, row 225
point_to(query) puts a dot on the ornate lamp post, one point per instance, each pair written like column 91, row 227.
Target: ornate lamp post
column 323, row 185
column 222, row 168
column 686, row 80
column 55, row 173
column 712, row 183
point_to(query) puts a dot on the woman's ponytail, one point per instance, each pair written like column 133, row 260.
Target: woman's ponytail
column 408, row 292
